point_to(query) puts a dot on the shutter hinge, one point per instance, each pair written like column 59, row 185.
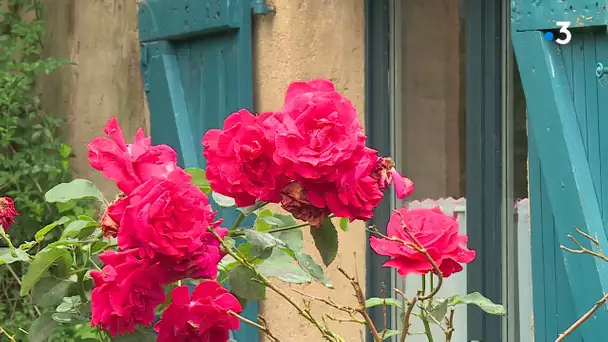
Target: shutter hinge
column 143, row 60
column 261, row 7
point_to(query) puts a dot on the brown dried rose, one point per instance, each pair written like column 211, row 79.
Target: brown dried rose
column 293, row 199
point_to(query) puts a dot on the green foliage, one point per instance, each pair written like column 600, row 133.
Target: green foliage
column 326, row 240
column 33, row 155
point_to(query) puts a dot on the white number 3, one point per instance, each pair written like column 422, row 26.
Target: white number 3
column 564, row 29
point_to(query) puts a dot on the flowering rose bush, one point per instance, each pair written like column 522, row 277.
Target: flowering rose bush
column 159, row 252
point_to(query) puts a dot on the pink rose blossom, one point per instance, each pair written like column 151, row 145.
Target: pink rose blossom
column 168, row 220
column 204, row 316
column 436, row 232
column 130, row 165
column 240, row 160
column 317, row 132
column 127, row 291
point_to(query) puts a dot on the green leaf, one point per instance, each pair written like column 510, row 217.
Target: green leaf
column 326, row 241
column 386, row 334
column 281, row 265
column 242, row 284
column 222, row 200
column 41, row 263
column 68, row 317
column 46, row 229
column 27, row 245
column 66, row 206
column 438, row 308
column 78, row 228
column 307, row 263
column 294, row 239
column 42, row 327
column 69, row 304
column 6, row 257
column 78, row 188
column 273, row 221
column 49, row 291
column 98, row 246
column 344, row 224
column 375, row 301
column 199, row 178
column 260, row 225
column 476, row 298
column 261, row 243
column 65, row 150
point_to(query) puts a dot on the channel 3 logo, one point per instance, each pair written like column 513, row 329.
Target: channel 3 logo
column 565, row 35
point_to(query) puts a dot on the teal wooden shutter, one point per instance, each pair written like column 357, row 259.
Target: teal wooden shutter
column 568, row 125
column 196, row 62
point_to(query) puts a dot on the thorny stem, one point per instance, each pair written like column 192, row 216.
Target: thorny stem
column 263, row 327
column 5, row 333
column 584, row 250
column 81, row 290
column 450, row 326
column 282, row 229
column 238, row 221
column 423, row 317
column 406, row 317
column 354, row 282
column 583, row 318
column 305, row 313
column 384, row 313
column 6, row 238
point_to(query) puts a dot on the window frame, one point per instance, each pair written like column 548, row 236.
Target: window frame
column 486, row 107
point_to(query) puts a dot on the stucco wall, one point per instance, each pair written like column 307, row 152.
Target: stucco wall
column 302, row 40
column 103, row 80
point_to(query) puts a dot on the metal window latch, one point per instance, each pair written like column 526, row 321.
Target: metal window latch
column 261, row 7
column 601, row 70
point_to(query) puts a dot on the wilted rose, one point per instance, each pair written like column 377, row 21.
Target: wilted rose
column 7, row 213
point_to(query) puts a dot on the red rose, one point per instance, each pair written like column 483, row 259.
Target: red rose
column 127, row 291
column 356, row 194
column 438, row 234
column 239, row 160
column 168, row 220
column 129, row 165
column 201, row 317
column 318, row 132
column 7, row 213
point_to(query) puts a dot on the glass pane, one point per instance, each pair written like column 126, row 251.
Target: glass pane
column 517, row 229
column 430, row 127
column 429, row 70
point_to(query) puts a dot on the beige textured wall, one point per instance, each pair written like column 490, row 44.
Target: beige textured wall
column 303, row 40
column 100, row 39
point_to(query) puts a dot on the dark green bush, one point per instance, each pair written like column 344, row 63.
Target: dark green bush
column 33, row 155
